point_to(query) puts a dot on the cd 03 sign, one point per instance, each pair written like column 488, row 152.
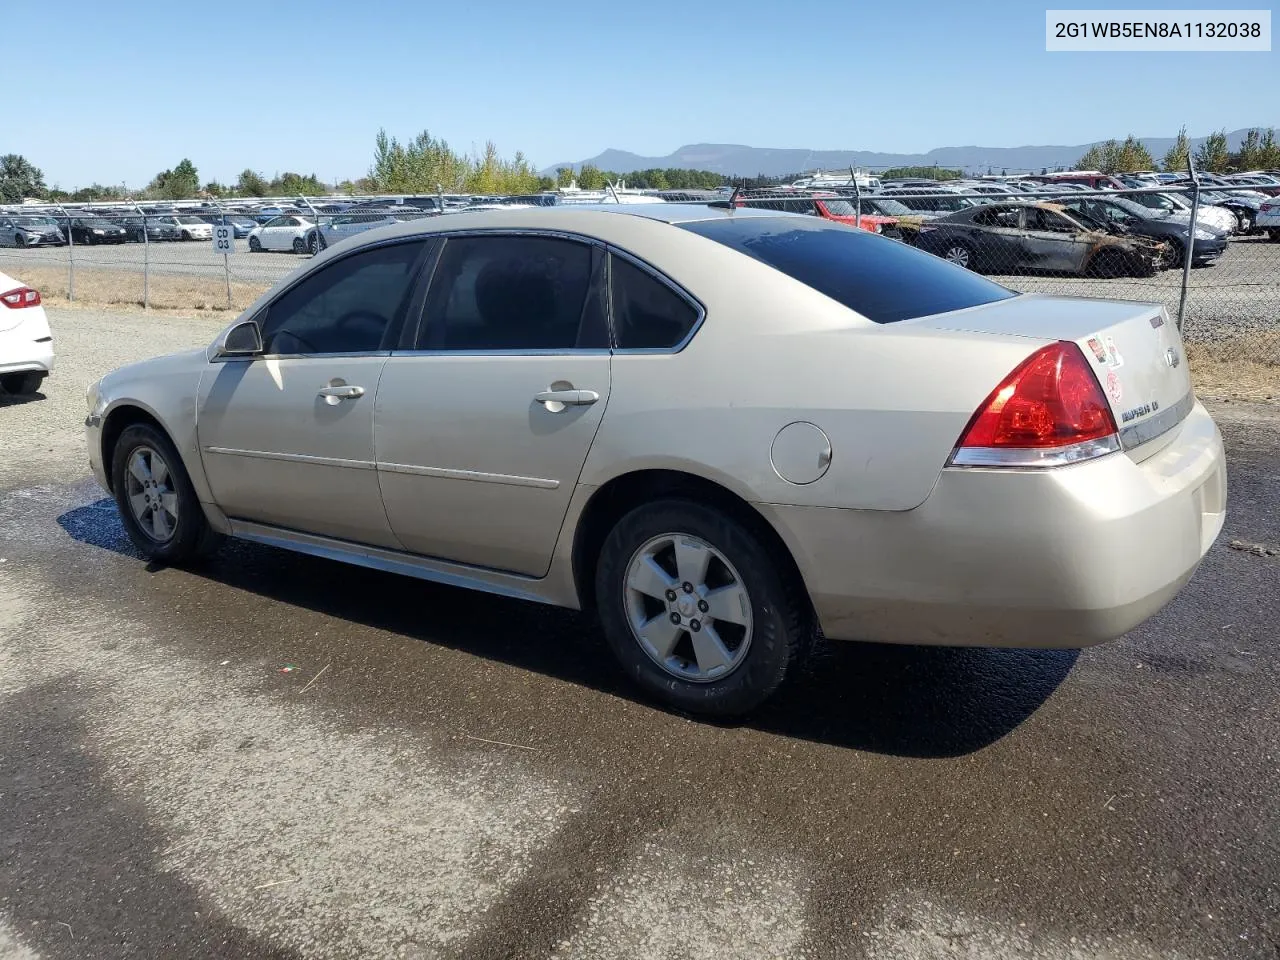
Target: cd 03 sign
column 224, row 241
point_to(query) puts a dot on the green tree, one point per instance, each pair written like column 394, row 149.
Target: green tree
column 251, row 184
column 180, row 183
column 930, row 173
column 1257, row 151
column 1212, row 155
column 591, row 177
column 296, row 185
column 1175, row 158
column 1268, row 150
column 564, row 176
column 19, row 179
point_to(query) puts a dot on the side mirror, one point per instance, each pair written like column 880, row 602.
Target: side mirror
column 242, row 340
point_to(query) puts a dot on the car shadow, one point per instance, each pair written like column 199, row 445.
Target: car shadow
column 913, row 701
column 18, row 399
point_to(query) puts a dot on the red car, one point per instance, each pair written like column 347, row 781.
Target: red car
column 829, row 206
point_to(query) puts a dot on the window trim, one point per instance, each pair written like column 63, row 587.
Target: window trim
column 417, row 288
column 679, row 291
column 420, row 326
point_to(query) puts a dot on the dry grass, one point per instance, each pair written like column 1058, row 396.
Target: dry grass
column 122, row 288
column 1243, row 367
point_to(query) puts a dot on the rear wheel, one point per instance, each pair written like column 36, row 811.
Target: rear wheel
column 22, row 384
column 1246, row 223
column 157, row 503
column 1274, row 234
column 317, row 243
column 299, row 245
column 959, row 254
column 696, row 610
column 255, row 245
column 19, row 240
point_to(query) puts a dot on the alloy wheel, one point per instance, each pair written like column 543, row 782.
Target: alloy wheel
column 958, row 255
column 153, row 499
column 688, row 608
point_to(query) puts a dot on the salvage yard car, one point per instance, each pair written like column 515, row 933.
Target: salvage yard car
column 26, row 345
column 1122, row 214
column 30, row 231
column 727, row 431
column 287, row 232
column 1009, row 237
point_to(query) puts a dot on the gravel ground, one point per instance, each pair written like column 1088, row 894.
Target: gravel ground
column 448, row 775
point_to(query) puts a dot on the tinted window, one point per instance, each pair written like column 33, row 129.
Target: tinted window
column 881, row 279
column 647, row 314
column 508, row 293
column 998, row 217
column 839, row 208
column 346, row 307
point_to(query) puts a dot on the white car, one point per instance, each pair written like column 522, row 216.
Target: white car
column 288, row 232
column 1268, row 217
column 192, row 228
column 26, row 345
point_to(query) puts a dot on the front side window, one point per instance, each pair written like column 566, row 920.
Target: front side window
column 998, row 217
column 346, row 307
column 647, row 314
column 507, row 293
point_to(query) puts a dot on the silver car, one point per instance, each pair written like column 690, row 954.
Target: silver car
column 727, row 431
column 30, row 231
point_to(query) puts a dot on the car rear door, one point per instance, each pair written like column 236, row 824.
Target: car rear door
column 287, row 437
column 483, row 423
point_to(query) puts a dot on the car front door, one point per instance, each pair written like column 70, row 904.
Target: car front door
column 287, row 437
column 1054, row 242
column 482, row 427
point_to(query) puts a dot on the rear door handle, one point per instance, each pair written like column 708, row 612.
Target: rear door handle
column 336, row 394
column 567, row 398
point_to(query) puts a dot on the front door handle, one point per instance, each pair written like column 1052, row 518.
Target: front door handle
column 557, row 400
column 334, row 395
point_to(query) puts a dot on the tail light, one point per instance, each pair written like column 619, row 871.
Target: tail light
column 1048, row 412
column 1265, row 208
column 21, row 297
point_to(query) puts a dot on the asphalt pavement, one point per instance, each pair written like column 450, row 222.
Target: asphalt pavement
column 280, row 756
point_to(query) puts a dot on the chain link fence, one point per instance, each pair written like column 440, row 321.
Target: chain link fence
column 1210, row 255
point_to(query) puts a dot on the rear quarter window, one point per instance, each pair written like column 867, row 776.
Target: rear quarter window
column 884, row 280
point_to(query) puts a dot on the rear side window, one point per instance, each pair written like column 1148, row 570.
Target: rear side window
column 884, row 280
column 647, row 314
column 508, row 293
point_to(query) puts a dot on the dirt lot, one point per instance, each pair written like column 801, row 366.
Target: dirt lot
column 448, row 775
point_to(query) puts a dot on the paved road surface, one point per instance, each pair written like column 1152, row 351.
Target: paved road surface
column 467, row 777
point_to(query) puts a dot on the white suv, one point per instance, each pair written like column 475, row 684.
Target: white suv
column 26, row 346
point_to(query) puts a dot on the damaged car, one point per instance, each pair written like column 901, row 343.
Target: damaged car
column 1013, row 237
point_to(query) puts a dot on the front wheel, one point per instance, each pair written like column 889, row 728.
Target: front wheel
column 255, row 245
column 316, row 244
column 696, row 610
column 1174, row 253
column 1274, row 234
column 157, row 503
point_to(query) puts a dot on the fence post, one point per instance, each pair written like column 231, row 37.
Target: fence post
column 71, row 255
column 1191, row 239
column 857, row 200
column 146, row 260
column 226, row 258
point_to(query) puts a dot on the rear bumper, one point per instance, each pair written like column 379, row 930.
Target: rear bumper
column 25, row 356
column 1057, row 558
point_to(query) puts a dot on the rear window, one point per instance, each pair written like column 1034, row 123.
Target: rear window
column 884, row 280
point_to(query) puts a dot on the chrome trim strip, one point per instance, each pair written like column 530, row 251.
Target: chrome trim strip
column 293, row 458
column 566, row 352
column 1034, row 457
column 445, row 473
column 392, row 561
column 1143, row 431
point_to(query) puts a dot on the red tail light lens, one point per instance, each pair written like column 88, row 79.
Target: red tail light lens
column 1049, row 411
column 21, row 297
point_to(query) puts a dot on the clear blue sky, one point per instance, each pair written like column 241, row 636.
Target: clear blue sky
column 127, row 89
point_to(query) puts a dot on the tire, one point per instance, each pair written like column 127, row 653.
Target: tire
column 19, row 240
column 22, row 384
column 1173, row 254
column 255, row 245
column 751, row 659
column 1274, row 234
column 316, row 244
column 189, row 533
column 958, row 253
column 186, row 235
column 1246, row 224
column 299, row 245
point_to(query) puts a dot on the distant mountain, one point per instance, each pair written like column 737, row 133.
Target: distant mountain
column 734, row 159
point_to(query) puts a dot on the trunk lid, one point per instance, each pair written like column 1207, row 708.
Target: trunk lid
column 1134, row 349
